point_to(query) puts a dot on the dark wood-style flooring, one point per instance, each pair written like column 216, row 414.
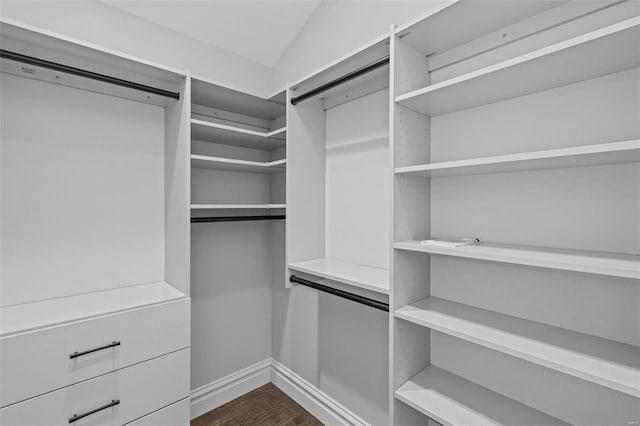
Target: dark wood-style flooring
column 266, row 405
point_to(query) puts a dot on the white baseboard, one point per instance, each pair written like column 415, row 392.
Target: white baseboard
column 322, row 406
column 319, row 404
column 215, row 394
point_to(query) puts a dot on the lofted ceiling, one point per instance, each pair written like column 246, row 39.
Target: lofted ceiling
column 259, row 30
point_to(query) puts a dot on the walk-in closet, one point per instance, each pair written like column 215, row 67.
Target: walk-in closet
column 320, row 212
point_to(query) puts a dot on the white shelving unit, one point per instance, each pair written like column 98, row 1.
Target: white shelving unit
column 337, row 238
column 338, row 174
column 516, row 124
column 590, row 155
column 609, row 264
column 451, row 400
column 366, row 277
column 143, row 235
column 95, row 294
column 548, row 90
column 570, row 61
column 238, row 149
column 238, row 212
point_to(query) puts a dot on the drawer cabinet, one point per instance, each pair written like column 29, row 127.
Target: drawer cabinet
column 43, row 360
column 124, row 396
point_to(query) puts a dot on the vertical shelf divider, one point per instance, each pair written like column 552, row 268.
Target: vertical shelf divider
column 410, row 140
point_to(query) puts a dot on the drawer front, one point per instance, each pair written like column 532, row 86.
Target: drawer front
column 174, row 415
column 139, row 389
column 40, row 361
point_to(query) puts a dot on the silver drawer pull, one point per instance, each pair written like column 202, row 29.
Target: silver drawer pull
column 77, row 417
column 110, row 345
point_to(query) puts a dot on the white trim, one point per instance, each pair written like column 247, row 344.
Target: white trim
column 322, row 406
column 221, row 391
column 319, row 404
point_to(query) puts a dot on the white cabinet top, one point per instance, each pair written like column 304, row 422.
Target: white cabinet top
column 29, row 316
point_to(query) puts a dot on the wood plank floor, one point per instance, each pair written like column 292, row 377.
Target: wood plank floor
column 266, row 405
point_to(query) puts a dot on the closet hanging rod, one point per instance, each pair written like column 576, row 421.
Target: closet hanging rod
column 18, row 57
column 341, row 293
column 340, row 80
column 235, row 218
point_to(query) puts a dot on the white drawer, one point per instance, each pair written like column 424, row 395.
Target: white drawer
column 36, row 362
column 140, row 389
column 174, row 415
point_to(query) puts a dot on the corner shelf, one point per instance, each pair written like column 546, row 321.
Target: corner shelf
column 605, row 362
column 366, row 277
column 451, row 401
column 236, row 206
column 589, row 155
column 230, row 135
column 569, row 61
column 608, row 264
column 230, row 164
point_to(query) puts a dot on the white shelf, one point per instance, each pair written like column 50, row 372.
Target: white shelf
column 280, row 133
column 452, row 401
column 230, row 164
column 607, row 153
column 236, row 206
column 570, row 61
column 210, row 94
column 230, row 135
column 457, row 23
column 367, row 277
column 604, row 362
column 29, row 316
column 609, row 264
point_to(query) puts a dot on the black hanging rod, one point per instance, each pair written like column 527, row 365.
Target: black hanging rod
column 340, row 80
column 13, row 56
column 340, row 293
column 235, row 218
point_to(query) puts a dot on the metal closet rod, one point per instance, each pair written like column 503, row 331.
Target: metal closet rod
column 13, row 56
column 235, row 218
column 340, row 80
column 341, row 293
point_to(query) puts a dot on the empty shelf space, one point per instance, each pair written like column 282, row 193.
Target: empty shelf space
column 609, row 264
column 570, row 61
column 209, row 94
column 29, row 316
column 601, row 361
column 367, row 277
column 236, row 206
column 230, row 135
column 607, row 153
column 452, row 401
column 219, row 163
